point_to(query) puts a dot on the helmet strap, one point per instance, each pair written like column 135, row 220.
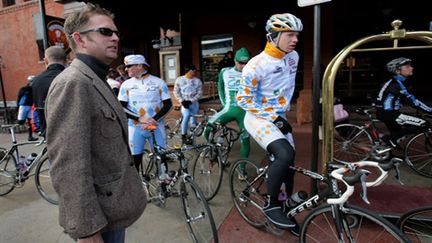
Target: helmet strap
column 276, row 42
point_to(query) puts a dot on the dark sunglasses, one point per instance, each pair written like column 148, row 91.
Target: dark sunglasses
column 129, row 66
column 102, row 31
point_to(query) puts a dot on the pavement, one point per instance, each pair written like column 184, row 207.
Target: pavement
column 26, row 217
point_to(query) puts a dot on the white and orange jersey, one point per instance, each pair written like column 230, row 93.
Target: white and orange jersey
column 268, row 82
column 144, row 96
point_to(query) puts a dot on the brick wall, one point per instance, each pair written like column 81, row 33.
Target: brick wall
column 18, row 48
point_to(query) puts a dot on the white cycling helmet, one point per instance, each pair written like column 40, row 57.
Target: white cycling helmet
column 395, row 64
column 283, row 22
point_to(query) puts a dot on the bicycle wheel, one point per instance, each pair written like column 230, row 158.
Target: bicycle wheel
column 351, row 143
column 357, row 225
column 150, row 177
column 248, row 192
column 418, row 154
column 208, row 172
column 43, row 182
column 199, row 218
column 8, row 173
column 417, row 224
column 173, row 132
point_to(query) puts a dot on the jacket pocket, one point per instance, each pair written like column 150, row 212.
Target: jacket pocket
column 108, row 190
column 110, row 124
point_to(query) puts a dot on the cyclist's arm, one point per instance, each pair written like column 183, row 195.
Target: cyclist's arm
column 413, row 101
column 177, row 90
column 417, row 103
column 129, row 114
column 221, row 87
column 198, row 93
column 166, row 107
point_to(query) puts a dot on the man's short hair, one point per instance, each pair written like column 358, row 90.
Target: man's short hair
column 77, row 20
column 55, row 54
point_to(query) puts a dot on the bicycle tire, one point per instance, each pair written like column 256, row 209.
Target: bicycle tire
column 351, row 143
column 417, row 154
column 320, row 226
column 173, row 132
column 150, row 177
column 249, row 199
column 416, row 224
column 199, row 218
column 43, row 182
column 208, row 171
column 8, row 172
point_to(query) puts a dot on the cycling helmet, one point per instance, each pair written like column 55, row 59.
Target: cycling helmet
column 283, row 22
column 395, row 64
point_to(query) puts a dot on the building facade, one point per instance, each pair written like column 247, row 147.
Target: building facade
column 176, row 33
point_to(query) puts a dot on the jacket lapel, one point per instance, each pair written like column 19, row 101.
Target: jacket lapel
column 106, row 93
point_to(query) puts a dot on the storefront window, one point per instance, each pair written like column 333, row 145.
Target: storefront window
column 8, row 3
column 213, row 50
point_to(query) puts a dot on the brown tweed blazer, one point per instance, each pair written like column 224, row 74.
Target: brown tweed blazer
column 92, row 167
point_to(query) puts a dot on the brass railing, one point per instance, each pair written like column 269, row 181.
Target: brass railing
column 330, row 73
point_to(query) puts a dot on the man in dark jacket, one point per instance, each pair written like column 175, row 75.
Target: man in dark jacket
column 24, row 103
column 55, row 61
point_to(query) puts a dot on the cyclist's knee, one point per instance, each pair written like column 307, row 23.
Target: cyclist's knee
column 282, row 150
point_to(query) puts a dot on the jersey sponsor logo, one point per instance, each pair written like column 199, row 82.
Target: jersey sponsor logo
column 278, row 70
column 291, row 61
column 411, row 120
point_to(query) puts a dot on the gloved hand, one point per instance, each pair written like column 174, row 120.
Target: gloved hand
column 283, row 125
column 186, row 103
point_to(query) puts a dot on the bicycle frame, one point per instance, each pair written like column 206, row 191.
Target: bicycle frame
column 14, row 151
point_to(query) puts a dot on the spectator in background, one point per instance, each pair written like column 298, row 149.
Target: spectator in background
column 227, row 61
column 123, row 74
column 55, row 62
column 24, row 103
column 188, row 91
column 112, row 80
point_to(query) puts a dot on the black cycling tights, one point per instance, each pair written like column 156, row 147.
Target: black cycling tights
column 279, row 171
column 138, row 158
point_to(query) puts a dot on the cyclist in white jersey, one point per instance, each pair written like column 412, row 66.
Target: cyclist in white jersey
column 188, row 91
column 265, row 92
column 146, row 101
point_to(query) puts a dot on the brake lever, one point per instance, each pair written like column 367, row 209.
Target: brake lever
column 363, row 193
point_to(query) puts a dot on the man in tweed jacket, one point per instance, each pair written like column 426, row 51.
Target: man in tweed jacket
column 100, row 192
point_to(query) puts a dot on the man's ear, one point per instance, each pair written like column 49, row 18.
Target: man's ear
column 78, row 39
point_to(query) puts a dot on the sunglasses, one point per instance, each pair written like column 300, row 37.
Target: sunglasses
column 129, row 66
column 103, row 31
column 242, row 63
